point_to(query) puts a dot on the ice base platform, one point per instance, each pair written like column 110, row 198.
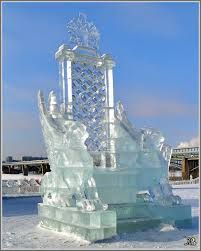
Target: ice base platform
column 119, row 218
column 91, row 226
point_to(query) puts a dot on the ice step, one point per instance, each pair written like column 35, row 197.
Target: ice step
column 137, row 224
column 141, row 219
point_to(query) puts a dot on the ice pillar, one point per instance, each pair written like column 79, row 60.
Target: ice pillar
column 65, row 58
column 109, row 106
column 70, row 91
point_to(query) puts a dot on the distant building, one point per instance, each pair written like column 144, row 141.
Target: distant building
column 184, row 163
column 38, row 158
column 26, row 158
column 9, row 159
column 29, row 158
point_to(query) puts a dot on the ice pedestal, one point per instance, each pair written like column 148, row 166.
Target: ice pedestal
column 91, row 226
column 120, row 218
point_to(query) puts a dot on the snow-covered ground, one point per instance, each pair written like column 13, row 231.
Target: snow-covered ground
column 21, row 230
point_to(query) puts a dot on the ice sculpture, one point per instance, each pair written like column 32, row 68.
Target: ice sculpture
column 107, row 176
column 70, row 182
column 83, row 33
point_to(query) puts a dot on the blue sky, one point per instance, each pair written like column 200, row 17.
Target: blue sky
column 154, row 45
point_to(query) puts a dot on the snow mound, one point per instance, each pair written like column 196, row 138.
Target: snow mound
column 166, row 228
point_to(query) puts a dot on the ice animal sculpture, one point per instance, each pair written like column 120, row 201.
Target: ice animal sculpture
column 70, row 182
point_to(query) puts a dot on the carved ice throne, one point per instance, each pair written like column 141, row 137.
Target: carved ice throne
column 100, row 163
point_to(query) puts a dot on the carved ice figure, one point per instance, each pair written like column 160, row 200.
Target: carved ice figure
column 70, row 182
column 144, row 144
column 144, row 150
column 163, row 195
column 127, row 139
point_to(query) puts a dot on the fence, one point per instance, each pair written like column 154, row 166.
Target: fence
column 182, row 182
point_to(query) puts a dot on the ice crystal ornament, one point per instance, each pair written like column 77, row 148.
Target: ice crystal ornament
column 83, row 33
column 107, row 176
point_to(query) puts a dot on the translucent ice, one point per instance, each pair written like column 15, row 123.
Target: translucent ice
column 83, row 33
column 98, row 159
column 70, row 182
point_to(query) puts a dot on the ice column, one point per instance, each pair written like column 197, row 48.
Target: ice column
column 109, row 105
column 65, row 58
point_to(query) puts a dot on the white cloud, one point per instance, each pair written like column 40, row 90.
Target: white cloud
column 191, row 143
